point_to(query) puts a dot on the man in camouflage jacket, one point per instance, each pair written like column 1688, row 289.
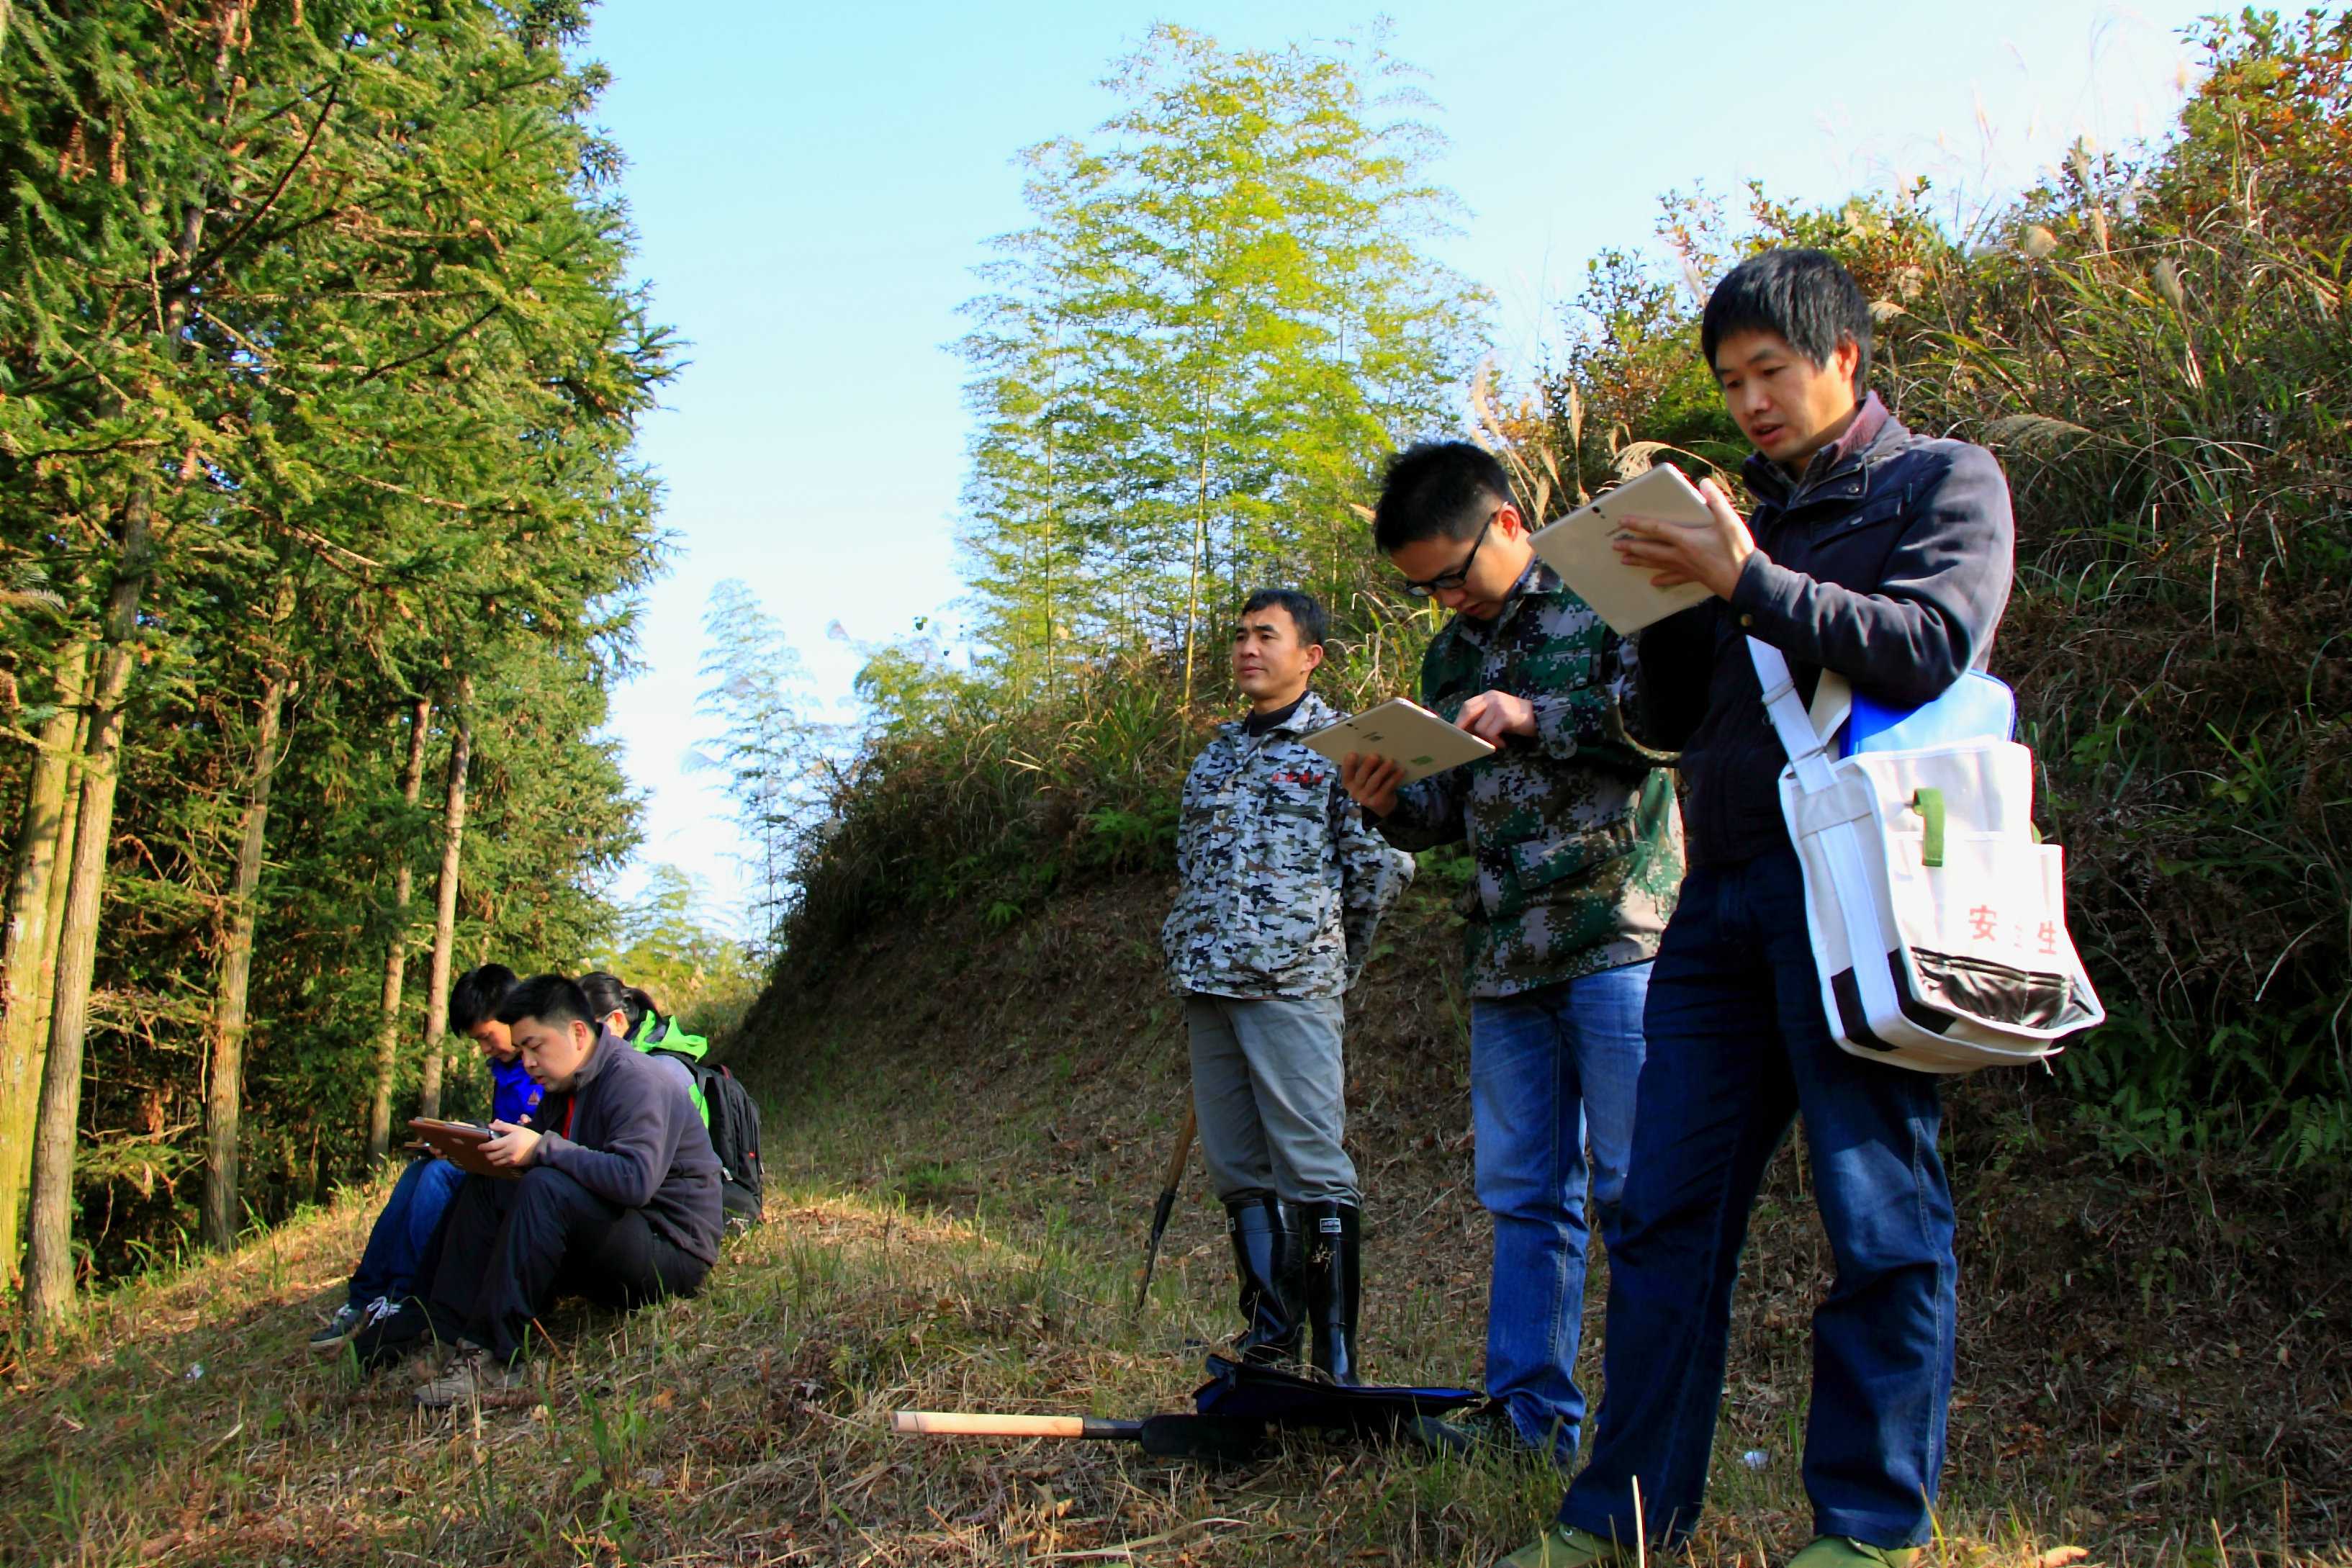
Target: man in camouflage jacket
column 1281, row 886
column 1576, row 853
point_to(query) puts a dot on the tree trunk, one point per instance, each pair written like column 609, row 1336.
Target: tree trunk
column 395, row 961
column 45, row 977
column 49, row 1275
column 26, row 949
column 1053, row 501
column 223, row 1089
column 1200, row 549
column 444, row 909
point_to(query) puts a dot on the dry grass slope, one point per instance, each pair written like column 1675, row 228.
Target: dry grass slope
column 965, row 1129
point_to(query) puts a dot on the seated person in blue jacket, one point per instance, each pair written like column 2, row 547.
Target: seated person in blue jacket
column 1886, row 555
column 617, row 1197
column 397, row 1247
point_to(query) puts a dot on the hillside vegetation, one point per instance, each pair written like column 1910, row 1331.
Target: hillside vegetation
column 966, row 1128
column 2154, row 346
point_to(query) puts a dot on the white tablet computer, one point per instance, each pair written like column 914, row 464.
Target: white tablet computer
column 1406, row 733
column 1578, row 548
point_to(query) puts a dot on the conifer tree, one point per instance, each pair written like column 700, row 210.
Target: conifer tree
column 323, row 306
column 766, row 746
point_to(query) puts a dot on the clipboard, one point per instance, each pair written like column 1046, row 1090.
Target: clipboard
column 460, row 1143
column 1578, row 548
column 1406, row 733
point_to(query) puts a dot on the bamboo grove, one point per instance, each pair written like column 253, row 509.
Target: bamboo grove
column 320, row 534
column 1222, row 311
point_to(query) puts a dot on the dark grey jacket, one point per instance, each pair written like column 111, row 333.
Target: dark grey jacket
column 1889, row 561
column 629, row 1134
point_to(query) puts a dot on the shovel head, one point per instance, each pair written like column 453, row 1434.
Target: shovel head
column 1246, row 1392
column 1211, row 1439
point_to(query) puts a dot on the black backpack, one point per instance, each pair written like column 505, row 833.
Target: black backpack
column 734, row 1137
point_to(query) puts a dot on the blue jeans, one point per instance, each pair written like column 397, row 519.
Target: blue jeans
column 1738, row 1048
column 396, row 1247
column 1549, row 1070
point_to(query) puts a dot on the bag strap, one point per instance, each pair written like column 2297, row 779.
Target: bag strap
column 1807, row 747
column 1867, row 947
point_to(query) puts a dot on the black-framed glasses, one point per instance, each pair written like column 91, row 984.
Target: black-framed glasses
column 1446, row 582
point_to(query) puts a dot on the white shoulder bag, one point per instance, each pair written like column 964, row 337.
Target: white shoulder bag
column 1937, row 917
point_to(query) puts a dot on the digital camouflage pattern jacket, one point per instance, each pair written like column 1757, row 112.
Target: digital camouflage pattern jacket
column 1575, row 839
column 1281, row 883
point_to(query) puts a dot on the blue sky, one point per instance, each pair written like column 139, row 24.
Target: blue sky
column 812, row 184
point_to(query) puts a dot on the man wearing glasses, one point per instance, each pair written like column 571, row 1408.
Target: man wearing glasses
column 1576, row 847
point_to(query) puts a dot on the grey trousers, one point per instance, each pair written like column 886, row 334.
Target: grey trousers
column 1271, row 1093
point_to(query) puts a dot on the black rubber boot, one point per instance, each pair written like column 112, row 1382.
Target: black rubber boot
column 1334, row 1247
column 1265, row 1232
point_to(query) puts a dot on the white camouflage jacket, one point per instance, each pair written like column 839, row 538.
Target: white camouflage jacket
column 1282, row 883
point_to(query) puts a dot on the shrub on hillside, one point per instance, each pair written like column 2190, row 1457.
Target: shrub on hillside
column 2155, row 349
column 966, row 791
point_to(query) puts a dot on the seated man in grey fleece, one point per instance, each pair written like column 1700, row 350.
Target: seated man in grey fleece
column 618, row 1199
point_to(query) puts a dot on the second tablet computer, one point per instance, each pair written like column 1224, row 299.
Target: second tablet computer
column 460, row 1143
column 1406, row 733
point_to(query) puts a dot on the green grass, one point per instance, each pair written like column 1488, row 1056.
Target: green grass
column 749, row 1426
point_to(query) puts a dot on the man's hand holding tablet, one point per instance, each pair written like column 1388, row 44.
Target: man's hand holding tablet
column 1679, row 552
column 1372, row 781
column 514, row 1147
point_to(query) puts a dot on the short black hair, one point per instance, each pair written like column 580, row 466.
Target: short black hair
column 1805, row 297
column 553, row 999
column 1446, row 488
column 1305, row 613
column 475, row 999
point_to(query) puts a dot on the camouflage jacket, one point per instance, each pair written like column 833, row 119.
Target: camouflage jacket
column 1576, row 842
column 1281, row 882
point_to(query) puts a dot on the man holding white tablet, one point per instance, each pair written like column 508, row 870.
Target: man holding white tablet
column 1578, row 851
column 1885, row 556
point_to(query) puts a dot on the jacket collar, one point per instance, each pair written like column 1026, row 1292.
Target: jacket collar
column 600, row 1056
column 1311, row 714
column 1839, row 470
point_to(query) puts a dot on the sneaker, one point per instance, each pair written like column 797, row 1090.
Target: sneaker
column 391, row 1334
column 472, row 1374
column 1560, row 1547
column 1844, row 1552
column 346, row 1322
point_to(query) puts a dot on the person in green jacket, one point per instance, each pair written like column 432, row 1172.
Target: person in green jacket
column 632, row 1012
column 1576, row 851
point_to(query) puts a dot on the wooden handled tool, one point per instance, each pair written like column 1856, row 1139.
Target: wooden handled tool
column 978, row 1424
column 1224, row 1438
